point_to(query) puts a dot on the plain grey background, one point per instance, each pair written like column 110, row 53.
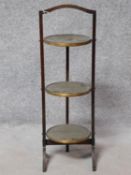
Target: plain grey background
column 20, row 100
column 20, row 92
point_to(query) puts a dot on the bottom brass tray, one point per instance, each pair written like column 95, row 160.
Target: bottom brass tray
column 68, row 133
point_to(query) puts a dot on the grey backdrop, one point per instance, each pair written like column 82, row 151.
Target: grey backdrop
column 20, row 100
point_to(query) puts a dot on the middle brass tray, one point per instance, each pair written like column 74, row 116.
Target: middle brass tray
column 68, row 89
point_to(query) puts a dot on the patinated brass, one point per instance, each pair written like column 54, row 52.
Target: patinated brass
column 68, row 133
column 68, row 89
column 65, row 40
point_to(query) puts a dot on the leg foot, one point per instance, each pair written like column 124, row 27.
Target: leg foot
column 93, row 159
column 67, row 148
column 44, row 160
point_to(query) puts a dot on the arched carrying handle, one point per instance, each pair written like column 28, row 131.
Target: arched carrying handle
column 69, row 6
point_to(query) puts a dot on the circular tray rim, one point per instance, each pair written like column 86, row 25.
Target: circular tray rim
column 70, row 141
column 66, row 44
column 64, row 94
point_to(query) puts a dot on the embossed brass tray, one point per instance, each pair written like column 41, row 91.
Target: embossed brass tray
column 68, row 89
column 63, row 40
column 68, row 133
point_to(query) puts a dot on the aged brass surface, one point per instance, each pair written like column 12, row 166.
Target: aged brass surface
column 63, row 40
column 68, row 133
column 68, row 89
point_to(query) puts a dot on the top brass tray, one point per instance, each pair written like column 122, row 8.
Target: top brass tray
column 68, row 133
column 68, row 88
column 63, row 40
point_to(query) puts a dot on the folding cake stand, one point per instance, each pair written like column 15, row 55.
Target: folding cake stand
column 67, row 134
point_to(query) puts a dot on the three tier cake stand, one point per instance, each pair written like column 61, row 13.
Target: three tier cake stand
column 67, row 134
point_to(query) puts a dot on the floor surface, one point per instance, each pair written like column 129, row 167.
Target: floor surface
column 20, row 153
